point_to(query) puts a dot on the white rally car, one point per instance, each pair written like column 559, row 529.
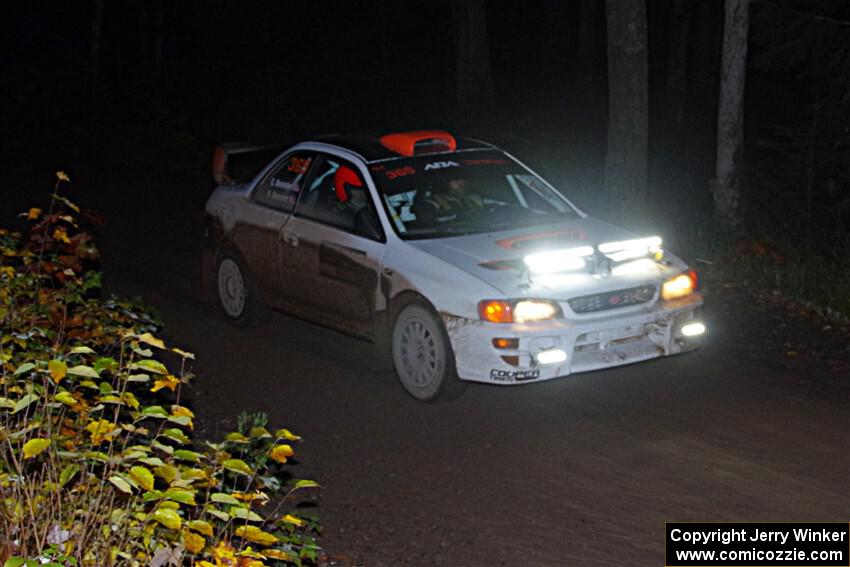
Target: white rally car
column 458, row 258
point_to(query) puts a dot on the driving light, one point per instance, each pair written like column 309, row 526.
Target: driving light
column 531, row 310
column 680, row 286
column 628, row 249
column 553, row 356
column 558, row 260
column 693, row 329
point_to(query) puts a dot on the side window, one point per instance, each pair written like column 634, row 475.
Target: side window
column 280, row 188
column 338, row 196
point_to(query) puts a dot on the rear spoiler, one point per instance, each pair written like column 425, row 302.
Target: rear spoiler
column 237, row 162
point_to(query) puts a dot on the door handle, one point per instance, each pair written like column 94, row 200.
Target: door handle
column 290, row 239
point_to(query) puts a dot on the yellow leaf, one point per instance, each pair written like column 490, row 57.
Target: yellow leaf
column 286, row 434
column 203, row 564
column 255, row 535
column 62, row 176
column 201, row 527
column 290, row 519
column 193, row 542
column 33, row 213
column 101, row 430
column 151, row 340
column 61, row 235
column 142, row 476
column 279, row 554
column 169, row 382
column 183, row 353
column 168, row 518
column 179, row 411
column 223, row 553
column 57, row 368
column 281, row 452
column 35, row 447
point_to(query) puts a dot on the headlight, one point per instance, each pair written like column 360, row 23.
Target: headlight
column 679, row 286
column 523, row 311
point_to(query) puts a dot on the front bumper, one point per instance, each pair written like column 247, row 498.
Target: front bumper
column 590, row 343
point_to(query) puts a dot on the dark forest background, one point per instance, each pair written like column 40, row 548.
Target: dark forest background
column 136, row 94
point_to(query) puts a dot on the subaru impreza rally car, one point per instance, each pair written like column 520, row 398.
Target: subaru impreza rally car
column 457, row 257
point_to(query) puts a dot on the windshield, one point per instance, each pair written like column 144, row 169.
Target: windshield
column 432, row 196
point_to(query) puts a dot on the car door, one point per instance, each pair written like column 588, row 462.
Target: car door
column 266, row 211
column 332, row 248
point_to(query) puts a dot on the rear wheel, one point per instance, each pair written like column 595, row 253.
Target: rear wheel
column 237, row 293
column 422, row 355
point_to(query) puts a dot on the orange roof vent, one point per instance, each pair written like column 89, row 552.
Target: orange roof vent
column 419, row 142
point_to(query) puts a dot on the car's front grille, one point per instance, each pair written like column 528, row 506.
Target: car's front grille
column 612, row 299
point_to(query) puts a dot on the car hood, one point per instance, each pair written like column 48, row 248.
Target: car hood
column 496, row 258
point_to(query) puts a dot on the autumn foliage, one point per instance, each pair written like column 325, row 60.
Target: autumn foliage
column 98, row 465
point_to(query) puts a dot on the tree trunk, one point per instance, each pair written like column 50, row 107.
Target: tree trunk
column 588, row 53
column 628, row 110
column 677, row 62
column 726, row 186
column 472, row 54
column 94, row 60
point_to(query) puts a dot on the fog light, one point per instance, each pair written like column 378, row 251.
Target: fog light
column 693, row 329
column 550, row 356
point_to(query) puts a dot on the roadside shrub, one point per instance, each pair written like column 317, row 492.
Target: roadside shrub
column 97, row 461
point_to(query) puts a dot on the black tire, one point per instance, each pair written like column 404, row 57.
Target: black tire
column 237, row 291
column 423, row 356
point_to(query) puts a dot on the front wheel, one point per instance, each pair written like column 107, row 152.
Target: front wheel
column 423, row 356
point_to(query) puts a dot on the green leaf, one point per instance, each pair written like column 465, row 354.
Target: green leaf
column 88, row 384
column 105, row 363
column 244, row 514
column 138, row 378
column 223, row 516
column 68, row 472
column 164, row 448
column 15, row 562
column 176, row 435
column 182, row 420
column 185, row 455
column 236, row 437
column 143, row 477
column 24, row 402
column 25, row 367
column 304, row 483
column 66, row 398
column 238, row 466
column 121, row 484
column 35, row 447
column 96, row 456
column 223, row 498
column 154, row 411
column 152, row 461
column 168, row 518
column 181, row 495
column 167, row 473
column 146, row 352
column 84, row 371
column 151, row 366
column 151, row 495
column 81, row 350
column 6, row 403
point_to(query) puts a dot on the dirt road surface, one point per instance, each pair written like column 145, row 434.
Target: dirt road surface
column 583, row 470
